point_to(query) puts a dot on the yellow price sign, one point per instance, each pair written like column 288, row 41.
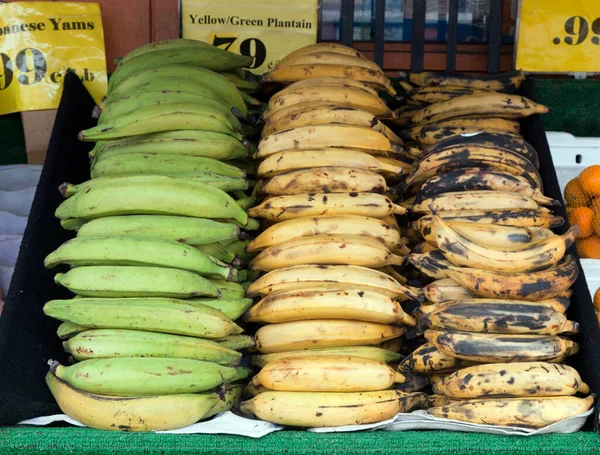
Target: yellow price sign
column 558, row 36
column 40, row 42
column 266, row 30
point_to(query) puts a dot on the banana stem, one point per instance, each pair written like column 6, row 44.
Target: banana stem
column 395, row 260
column 246, row 407
column 72, row 224
column 233, row 275
column 53, row 364
column 65, row 189
column 242, row 373
column 252, row 225
column 246, row 202
column 235, row 111
column 96, row 111
column 399, row 378
column 399, row 210
column 571, row 327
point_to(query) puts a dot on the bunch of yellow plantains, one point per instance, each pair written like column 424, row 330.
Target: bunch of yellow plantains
column 439, row 105
column 157, row 265
column 329, row 60
column 332, row 311
column 494, row 319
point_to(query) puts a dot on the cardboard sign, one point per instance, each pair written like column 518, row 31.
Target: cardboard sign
column 557, row 36
column 266, row 30
column 39, row 43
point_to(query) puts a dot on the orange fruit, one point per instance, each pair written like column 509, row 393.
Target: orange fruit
column 574, row 194
column 596, row 224
column 589, row 248
column 582, row 217
column 597, row 299
column 595, row 205
column 590, row 180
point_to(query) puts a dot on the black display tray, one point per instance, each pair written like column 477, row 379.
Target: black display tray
column 28, row 338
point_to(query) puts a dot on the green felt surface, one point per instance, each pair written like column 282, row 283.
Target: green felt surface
column 80, row 441
column 574, row 105
column 12, row 142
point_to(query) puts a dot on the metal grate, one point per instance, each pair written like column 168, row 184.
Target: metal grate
column 347, row 22
column 418, row 33
column 452, row 35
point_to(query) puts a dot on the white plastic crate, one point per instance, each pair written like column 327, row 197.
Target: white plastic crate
column 591, row 269
column 571, row 155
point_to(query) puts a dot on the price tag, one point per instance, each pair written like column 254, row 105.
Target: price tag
column 266, row 30
column 558, row 36
column 40, row 42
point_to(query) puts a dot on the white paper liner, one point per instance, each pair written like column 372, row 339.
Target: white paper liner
column 230, row 423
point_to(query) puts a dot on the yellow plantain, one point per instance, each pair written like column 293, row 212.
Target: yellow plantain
column 437, row 161
column 435, row 94
column 330, row 82
column 329, row 409
column 292, row 160
column 306, row 276
column 356, row 303
column 325, row 115
column 530, row 286
column 337, row 95
column 498, row 316
column 527, row 379
column 368, row 352
column 431, row 263
column 462, row 251
column 509, row 81
column 332, row 373
column 328, row 58
column 478, row 179
column 510, row 217
column 501, row 348
column 326, row 249
column 515, row 412
column 326, row 136
column 474, row 200
column 293, row 73
column 326, row 47
column 281, row 208
column 323, row 333
column 430, row 135
column 428, row 359
column 326, row 179
column 338, row 225
column 494, row 236
column 486, row 104
column 445, row 289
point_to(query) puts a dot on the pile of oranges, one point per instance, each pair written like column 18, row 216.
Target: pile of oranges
column 582, row 196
